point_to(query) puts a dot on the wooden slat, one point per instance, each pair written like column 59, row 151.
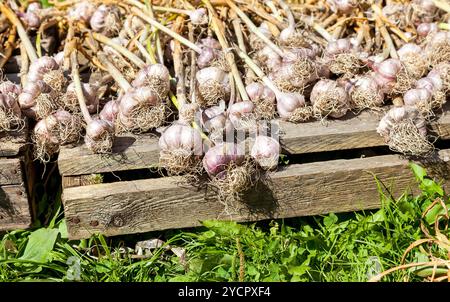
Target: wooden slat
column 12, row 143
column 14, row 208
column 10, row 171
column 128, row 154
column 307, row 189
column 352, row 132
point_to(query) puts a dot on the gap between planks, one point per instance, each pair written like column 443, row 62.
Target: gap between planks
column 297, row 190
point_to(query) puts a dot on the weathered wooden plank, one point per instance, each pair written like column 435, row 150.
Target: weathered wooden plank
column 14, row 208
column 12, row 143
column 129, row 153
column 10, row 171
column 343, row 134
column 349, row 133
column 307, row 189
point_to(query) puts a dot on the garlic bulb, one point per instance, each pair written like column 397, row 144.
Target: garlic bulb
column 106, row 20
column 199, row 16
column 214, row 85
column 421, row 99
column 404, row 130
column 268, row 59
column 56, row 129
column 81, row 11
column 181, row 137
column 344, row 6
column 329, row 99
column 263, row 98
column 70, row 100
column 266, row 151
column 214, row 119
column 343, row 58
column 386, row 74
column 365, row 93
column 241, row 115
column 437, row 49
column 99, row 136
column 411, row 55
column 424, row 29
column 156, row 77
column 220, row 156
column 110, row 111
column 140, row 110
column 181, row 149
column 288, row 103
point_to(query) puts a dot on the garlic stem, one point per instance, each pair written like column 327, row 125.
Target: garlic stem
column 159, row 8
column 219, row 30
column 444, row 26
column 24, row 65
column 114, row 72
column 164, row 29
column 387, row 38
column 318, row 28
column 78, row 88
column 159, row 51
column 256, row 69
column 253, row 28
column 193, row 71
column 124, row 51
column 20, row 30
column 442, row 5
column 288, row 11
column 178, row 65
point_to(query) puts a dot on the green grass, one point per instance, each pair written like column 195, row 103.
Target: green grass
column 334, row 247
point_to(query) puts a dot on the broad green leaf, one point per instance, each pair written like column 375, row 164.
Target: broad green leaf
column 62, row 227
column 431, row 187
column 330, row 220
column 40, row 244
column 418, row 171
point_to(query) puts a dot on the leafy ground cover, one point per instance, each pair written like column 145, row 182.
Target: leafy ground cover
column 335, row 247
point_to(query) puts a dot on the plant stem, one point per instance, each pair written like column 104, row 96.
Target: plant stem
column 10, row 45
column 387, row 38
column 178, row 65
column 193, row 71
column 442, row 5
column 162, row 28
column 124, row 51
column 253, row 28
column 159, row 8
column 256, row 69
column 20, row 30
column 159, row 51
column 25, row 63
column 78, row 88
column 444, row 26
column 114, row 72
column 219, row 30
column 287, row 10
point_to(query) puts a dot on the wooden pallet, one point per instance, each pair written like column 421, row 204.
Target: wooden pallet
column 142, row 205
column 16, row 178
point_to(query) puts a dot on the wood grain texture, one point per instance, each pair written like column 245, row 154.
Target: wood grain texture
column 141, row 152
column 14, row 208
column 298, row 190
column 12, row 143
column 129, row 153
column 10, row 171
